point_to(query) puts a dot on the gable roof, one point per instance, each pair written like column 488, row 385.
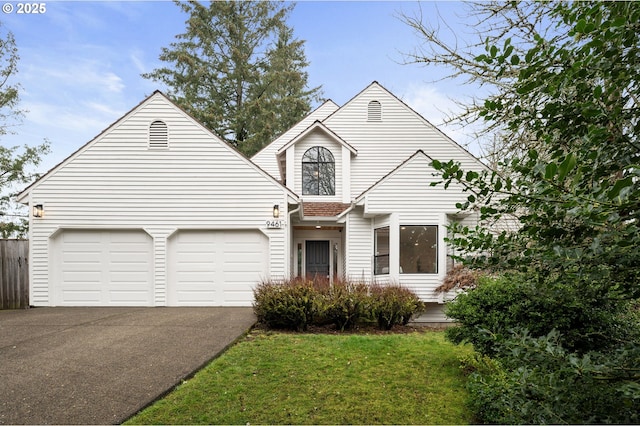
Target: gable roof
column 418, row 153
column 321, row 126
column 320, row 113
column 157, row 94
column 375, row 84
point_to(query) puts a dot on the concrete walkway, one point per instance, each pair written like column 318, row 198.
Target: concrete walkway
column 101, row 365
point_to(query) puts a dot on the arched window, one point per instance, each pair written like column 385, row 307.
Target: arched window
column 374, row 113
column 318, row 172
column 158, row 135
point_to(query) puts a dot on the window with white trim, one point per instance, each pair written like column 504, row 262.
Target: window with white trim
column 318, row 172
column 381, row 250
column 419, row 249
column 158, row 135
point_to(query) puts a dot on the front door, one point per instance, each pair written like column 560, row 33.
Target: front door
column 317, row 259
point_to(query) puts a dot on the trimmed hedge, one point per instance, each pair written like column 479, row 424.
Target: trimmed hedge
column 298, row 303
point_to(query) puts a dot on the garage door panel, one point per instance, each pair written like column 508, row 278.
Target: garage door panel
column 82, row 297
column 129, row 256
column 237, row 298
column 132, row 279
column 242, row 266
column 102, row 267
column 229, row 263
column 197, row 298
column 82, row 277
column 126, row 297
column 134, row 268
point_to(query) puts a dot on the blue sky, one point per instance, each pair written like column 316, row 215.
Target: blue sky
column 81, row 61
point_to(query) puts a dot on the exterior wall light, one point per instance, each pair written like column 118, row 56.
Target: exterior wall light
column 38, row 210
column 276, row 211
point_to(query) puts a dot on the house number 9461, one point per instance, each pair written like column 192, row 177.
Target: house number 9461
column 275, row 224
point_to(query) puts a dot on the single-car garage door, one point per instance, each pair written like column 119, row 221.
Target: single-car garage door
column 102, row 268
column 215, row 268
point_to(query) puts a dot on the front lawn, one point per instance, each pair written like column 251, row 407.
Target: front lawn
column 283, row 378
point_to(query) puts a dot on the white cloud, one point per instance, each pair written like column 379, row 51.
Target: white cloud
column 78, row 75
column 78, row 119
column 136, row 57
column 430, row 103
column 437, row 108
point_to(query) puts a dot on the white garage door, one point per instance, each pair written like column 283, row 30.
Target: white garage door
column 215, row 268
column 102, row 268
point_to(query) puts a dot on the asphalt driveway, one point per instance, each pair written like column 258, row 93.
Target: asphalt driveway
column 101, row 365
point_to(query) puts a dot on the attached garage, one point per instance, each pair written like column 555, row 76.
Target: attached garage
column 155, row 211
column 215, row 268
column 101, row 268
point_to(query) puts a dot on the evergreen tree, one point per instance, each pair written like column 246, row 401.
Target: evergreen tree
column 238, row 70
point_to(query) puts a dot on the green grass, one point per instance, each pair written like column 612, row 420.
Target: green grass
column 280, row 378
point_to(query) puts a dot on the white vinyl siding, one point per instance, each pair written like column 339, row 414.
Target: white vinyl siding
column 383, row 145
column 359, row 242
column 374, row 112
column 115, row 181
column 414, row 202
column 158, row 135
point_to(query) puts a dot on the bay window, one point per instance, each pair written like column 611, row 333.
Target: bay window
column 418, row 249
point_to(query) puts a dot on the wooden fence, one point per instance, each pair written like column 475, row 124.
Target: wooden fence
column 14, row 274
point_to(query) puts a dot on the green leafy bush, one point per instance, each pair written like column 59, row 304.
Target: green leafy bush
column 296, row 304
column 347, row 304
column 537, row 381
column 394, row 304
column 289, row 304
column 488, row 313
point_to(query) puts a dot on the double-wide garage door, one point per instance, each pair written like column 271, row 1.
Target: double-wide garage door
column 116, row 268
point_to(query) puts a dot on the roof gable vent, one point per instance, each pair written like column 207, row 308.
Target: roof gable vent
column 158, row 135
column 374, row 111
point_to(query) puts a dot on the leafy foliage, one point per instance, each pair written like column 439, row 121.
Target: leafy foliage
column 15, row 162
column 298, row 303
column 537, row 381
column 459, row 278
column 238, row 70
column 394, row 304
column 289, row 305
column 567, row 90
column 577, row 196
column 488, row 314
column 347, row 304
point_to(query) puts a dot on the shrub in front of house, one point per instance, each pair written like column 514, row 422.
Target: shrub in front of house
column 347, row 304
column 548, row 353
column 393, row 304
column 486, row 314
column 289, row 304
column 537, row 381
column 298, row 303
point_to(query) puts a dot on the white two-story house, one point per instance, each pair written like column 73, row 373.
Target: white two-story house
column 158, row 211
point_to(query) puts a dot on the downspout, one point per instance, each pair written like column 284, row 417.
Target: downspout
column 294, row 211
column 290, row 242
